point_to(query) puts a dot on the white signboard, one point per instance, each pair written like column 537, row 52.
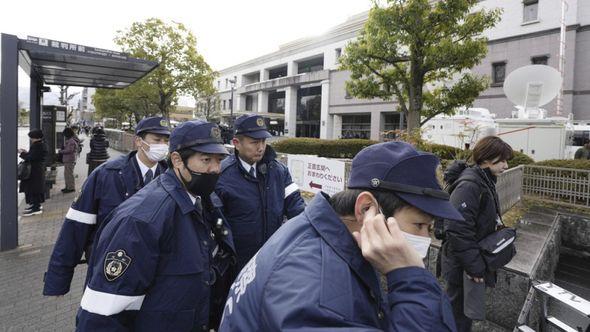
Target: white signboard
column 566, row 297
column 315, row 174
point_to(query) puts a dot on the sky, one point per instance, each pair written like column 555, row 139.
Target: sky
column 228, row 31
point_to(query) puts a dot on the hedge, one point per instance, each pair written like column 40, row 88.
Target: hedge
column 342, row 148
column 566, row 163
column 348, row 148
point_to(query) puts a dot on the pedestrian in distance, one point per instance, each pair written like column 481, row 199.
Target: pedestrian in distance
column 158, row 258
column 34, row 185
column 473, row 192
column 105, row 188
column 69, row 154
column 583, row 152
column 98, row 150
column 353, row 261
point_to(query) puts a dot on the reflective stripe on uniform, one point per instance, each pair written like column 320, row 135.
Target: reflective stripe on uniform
column 107, row 304
column 291, row 189
column 83, row 217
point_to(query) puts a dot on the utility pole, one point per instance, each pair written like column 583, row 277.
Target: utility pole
column 559, row 105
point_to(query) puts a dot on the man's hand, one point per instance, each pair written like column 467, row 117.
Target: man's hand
column 384, row 245
column 480, row 280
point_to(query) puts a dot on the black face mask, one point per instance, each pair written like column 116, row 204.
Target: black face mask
column 200, row 184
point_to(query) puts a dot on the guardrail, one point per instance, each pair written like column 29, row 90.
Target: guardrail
column 558, row 185
column 120, row 140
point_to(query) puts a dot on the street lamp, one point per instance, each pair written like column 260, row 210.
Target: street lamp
column 231, row 105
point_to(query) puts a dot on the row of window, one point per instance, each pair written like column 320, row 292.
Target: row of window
column 499, row 68
column 307, row 66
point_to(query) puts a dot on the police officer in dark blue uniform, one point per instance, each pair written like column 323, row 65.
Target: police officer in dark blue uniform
column 322, row 269
column 257, row 191
column 105, row 188
column 161, row 251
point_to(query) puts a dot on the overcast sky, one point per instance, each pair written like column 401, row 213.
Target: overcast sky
column 228, row 31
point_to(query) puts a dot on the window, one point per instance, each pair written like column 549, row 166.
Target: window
column 224, row 104
column 540, row 60
column 218, row 85
column 530, row 10
column 226, row 81
column 338, row 53
column 498, row 72
column 248, row 103
column 312, row 65
column 356, row 126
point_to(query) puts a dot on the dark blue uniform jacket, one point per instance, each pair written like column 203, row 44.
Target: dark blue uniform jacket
column 255, row 207
column 154, row 263
column 105, row 188
column 311, row 276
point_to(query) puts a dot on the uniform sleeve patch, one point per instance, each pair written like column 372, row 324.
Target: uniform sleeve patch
column 115, row 264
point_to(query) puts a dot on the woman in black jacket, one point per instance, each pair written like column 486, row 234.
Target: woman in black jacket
column 473, row 193
column 34, row 186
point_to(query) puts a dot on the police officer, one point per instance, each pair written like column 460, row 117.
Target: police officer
column 162, row 249
column 256, row 190
column 322, row 269
column 105, row 188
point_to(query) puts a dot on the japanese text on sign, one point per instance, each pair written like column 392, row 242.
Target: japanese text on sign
column 316, row 174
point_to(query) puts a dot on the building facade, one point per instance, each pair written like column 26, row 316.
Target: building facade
column 302, row 91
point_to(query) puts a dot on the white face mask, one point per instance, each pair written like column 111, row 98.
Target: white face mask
column 157, row 152
column 420, row 243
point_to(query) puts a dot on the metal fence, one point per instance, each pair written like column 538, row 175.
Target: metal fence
column 558, row 185
column 120, row 140
column 509, row 188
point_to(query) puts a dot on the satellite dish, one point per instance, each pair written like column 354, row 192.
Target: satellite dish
column 532, row 86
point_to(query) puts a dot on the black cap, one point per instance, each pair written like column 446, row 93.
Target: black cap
column 36, row 133
column 153, row 125
column 252, row 125
column 410, row 174
column 197, row 135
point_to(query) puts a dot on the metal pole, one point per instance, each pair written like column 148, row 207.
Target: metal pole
column 559, row 105
column 8, row 143
column 231, row 108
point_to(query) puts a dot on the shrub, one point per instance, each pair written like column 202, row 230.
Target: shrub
column 520, row 158
column 342, row 148
column 566, row 163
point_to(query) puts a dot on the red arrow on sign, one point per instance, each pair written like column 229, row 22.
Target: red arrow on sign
column 315, row 185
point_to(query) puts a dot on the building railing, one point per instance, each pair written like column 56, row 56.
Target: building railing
column 558, row 185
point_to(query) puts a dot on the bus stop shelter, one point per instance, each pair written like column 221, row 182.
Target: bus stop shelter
column 47, row 62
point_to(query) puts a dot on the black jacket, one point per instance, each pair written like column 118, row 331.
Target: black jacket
column 98, row 148
column 37, row 156
column 473, row 193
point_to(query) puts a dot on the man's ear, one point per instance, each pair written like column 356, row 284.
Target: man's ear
column 137, row 142
column 235, row 141
column 363, row 201
column 176, row 160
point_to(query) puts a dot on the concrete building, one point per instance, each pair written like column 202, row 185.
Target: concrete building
column 302, row 91
column 85, row 111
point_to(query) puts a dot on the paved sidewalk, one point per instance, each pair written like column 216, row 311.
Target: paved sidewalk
column 22, row 305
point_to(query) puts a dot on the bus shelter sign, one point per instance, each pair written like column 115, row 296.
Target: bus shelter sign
column 315, row 174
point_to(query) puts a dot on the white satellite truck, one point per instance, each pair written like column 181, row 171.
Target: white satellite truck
column 462, row 129
column 531, row 131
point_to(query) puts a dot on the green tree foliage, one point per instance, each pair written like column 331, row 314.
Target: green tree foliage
column 208, row 104
column 181, row 71
column 420, row 52
column 130, row 104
